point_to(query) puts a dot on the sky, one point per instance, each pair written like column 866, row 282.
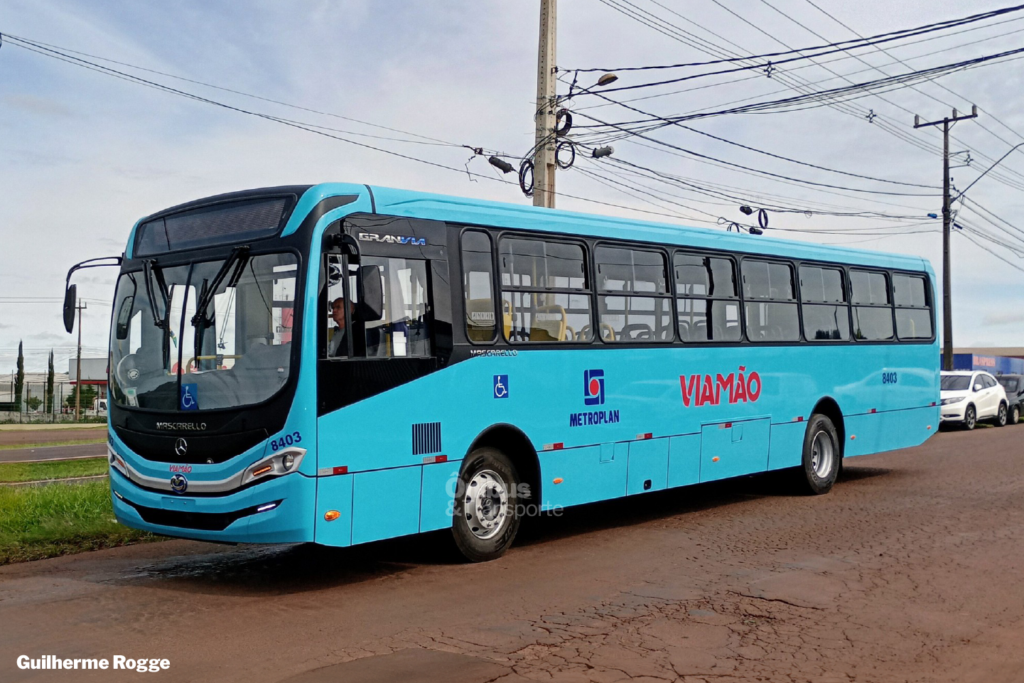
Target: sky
column 86, row 154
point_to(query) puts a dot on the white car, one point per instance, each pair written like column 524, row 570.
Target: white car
column 968, row 397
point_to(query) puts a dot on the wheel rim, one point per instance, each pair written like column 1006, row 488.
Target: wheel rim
column 1016, row 414
column 970, row 418
column 822, row 455
column 1002, row 415
column 486, row 504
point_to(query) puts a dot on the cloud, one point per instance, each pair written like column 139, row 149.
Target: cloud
column 36, row 106
column 1001, row 319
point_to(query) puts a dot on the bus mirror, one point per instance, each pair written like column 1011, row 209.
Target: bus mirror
column 124, row 317
column 70, row 300
column 371, row 298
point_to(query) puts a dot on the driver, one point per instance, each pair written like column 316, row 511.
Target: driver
column 338, row 344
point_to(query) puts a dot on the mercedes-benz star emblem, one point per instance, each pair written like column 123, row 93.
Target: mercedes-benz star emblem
column 179, row 484
column 181, row 447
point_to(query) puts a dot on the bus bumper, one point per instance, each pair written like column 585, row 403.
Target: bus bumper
column 276, row 511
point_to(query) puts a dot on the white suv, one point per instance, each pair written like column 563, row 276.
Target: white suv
column 971, row 396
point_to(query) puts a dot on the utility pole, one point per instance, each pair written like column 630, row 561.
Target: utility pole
column 78, row 372
column 544, row 146
column 947, row 224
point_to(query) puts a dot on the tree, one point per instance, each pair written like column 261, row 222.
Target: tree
column 19, row 377
column 33, row 403
column 49, row 385
column 88, row 397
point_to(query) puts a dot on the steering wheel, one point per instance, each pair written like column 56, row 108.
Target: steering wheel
column 125, row 369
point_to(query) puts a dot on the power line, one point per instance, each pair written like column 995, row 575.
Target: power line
column 801, row 53
column 996, row 254
column 741, row 68
column 896, row 60
column 756, row 170
column 736, row 200
column 318, row 130
column 425, row 139
column 880, row 70
column 950, row 91
column 883, row 125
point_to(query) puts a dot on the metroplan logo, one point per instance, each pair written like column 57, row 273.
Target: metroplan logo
column 593, row 395
column 707, row 390
column 593, row 387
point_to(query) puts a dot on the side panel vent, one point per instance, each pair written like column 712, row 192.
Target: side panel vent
column 426, row 438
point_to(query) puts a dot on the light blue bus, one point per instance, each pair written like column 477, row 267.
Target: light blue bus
column 341, row 364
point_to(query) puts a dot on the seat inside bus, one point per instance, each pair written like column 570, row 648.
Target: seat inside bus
column 548, row 323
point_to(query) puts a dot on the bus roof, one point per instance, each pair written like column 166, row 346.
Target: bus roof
column 497, row 214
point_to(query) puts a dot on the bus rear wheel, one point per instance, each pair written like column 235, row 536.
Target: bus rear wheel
column 822, row 458
column 486, row 513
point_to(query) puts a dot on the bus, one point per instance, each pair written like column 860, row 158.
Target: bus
column 340, row 364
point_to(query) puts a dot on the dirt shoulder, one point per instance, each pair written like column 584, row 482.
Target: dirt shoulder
column 19, row 435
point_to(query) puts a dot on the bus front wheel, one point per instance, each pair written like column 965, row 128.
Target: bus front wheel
column 486, row 512
column 821, row 457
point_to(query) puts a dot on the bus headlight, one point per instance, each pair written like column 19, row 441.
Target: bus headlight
column 275, row 465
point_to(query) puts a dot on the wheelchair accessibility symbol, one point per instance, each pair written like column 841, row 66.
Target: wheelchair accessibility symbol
column 501, row 386
column 189, row 397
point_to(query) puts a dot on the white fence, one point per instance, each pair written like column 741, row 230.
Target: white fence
column 35, row 406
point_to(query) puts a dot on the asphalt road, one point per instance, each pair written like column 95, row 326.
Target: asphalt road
column 912, row 569
column 52, row 452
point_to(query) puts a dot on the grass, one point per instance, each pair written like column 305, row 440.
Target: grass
column 37, row 522
column 73, row 442
column 56, row 469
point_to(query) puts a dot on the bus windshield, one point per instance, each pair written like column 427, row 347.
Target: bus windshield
column 207, row 335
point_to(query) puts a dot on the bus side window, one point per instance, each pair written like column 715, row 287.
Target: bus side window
column 335, row 345
column 478, row 294
column 708, row 307
column 913, row 314
column 634, row 303
column 826, row 317
column 872, row 313
column 770, row 308
column 545, row 290
column 404, row 327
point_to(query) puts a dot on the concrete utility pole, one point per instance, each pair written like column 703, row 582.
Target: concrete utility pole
column 544, row 154
column 78, row 373
column 947, row 224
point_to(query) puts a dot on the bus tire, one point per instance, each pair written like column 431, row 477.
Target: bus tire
column 822, row 457
column 486, row 512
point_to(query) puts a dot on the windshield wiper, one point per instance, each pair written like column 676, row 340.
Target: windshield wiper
column 153, row 272
column 238, row 258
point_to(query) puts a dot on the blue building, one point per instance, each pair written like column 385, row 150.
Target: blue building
column 998, row 361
